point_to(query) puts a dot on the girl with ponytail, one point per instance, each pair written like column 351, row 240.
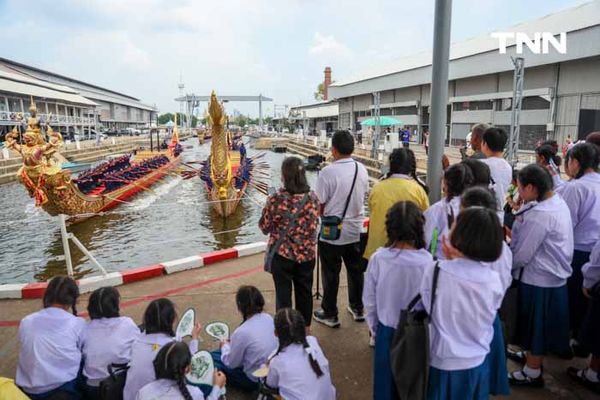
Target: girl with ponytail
column 50, row 354
column 251, row 343
column 160, row 319
column 299, row 369
column 171, row 364
column 401, row 184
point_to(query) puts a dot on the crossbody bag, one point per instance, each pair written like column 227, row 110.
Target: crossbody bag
column 331, row 225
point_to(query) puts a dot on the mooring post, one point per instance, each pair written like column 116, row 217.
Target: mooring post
column 65, row 240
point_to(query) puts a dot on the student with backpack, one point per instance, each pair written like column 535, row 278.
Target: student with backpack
column 392, row 281
column 465, row 286
column 299, row 369
column 171, row 364
column 107, row 338
column 50, row 344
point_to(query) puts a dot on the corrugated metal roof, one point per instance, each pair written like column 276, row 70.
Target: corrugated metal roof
column 17, row 84
column 570, row 20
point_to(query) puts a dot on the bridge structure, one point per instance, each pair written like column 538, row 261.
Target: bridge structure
column 192, row 101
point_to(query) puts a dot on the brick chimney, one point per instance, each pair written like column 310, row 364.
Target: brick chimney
column 326, row 83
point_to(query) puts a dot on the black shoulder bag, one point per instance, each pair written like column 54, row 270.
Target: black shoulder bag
column 409, row 351
column 111, row 388
column 331, row 225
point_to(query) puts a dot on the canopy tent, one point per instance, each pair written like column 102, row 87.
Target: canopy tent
column 383, row 121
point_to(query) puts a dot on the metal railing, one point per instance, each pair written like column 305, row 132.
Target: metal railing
column 19, row 117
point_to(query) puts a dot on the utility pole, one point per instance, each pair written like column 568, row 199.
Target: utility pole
column 439, row 96
column 517, row 101
column 377, row 115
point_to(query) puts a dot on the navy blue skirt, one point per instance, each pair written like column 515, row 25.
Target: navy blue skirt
column 543, row 322
column 496, row 360
column 463, row 384
column 589, row 335
column 577, row 301
column 384, row 387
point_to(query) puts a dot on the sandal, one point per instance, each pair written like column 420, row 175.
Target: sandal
column 578, row 375
column 525, row 380
column 517, row 356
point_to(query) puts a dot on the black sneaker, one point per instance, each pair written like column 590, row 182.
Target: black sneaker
column 516, row 356
column 578, row 375
column 525, row 380
column 320, row 316
column 358, row 316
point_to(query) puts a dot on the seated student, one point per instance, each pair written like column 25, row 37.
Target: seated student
column 171, row 364
column 467, row 297
column 590, row 329
column 496, row 358
column 251, row 343
column 393, row 278
column 299, row 369
column 107, row 338
column 542, row 245
column 50, row 340
column 440, row 216
column 160, row 319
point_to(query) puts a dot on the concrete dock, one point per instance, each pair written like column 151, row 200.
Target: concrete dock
column 211, row 291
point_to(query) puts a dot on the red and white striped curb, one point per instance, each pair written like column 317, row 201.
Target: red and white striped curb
column 36, row 290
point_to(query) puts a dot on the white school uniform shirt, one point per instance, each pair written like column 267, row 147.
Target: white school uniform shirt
column 167, row 389
column 501, row 172
column 333, row 187
column 50, row 350
column 107, row 341
column 393, row 280
column 583, row 198
column 503, row 266
column 542, row 243
column 591, row 269
column 291, row 373
column 436, row 216
column 143, row 353
column 251, row 344
column 468, row 297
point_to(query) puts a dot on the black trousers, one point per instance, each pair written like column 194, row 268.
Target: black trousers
column 287, row 273
column 331, row 257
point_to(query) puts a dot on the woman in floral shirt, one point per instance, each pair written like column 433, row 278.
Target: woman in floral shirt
column 294, row 261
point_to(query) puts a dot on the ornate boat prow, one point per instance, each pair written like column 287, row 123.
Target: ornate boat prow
column 228, row 170
column 96, row 190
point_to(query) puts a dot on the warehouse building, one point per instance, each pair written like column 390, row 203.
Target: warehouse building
column 562, row 91
column 68, row 104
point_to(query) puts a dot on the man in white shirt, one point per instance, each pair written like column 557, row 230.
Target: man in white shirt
column 336, row 186
column 493, row 142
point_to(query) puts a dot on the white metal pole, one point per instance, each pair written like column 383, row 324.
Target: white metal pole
column 65, row 240
column 87, row 253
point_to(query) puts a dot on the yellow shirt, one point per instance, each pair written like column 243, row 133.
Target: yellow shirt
column 9, row 391
column 383, row 196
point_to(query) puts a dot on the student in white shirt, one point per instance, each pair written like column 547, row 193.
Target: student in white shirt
column 335, row 189
column 107, row 338
column 299, row 369
column 542, row 245
column 441, row 215
column 494, row 141
column 171, row 364
column 50, row 344
column 467, row 297
column 160, row 320
column 483, row 197
column 251, row 343
column 392, row 281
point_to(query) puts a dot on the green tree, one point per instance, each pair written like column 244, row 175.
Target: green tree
column 320, row 93
column 164, row 118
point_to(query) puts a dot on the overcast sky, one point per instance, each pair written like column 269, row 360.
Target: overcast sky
column 238, row 47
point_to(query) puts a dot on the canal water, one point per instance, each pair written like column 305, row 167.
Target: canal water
column 173, row 221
